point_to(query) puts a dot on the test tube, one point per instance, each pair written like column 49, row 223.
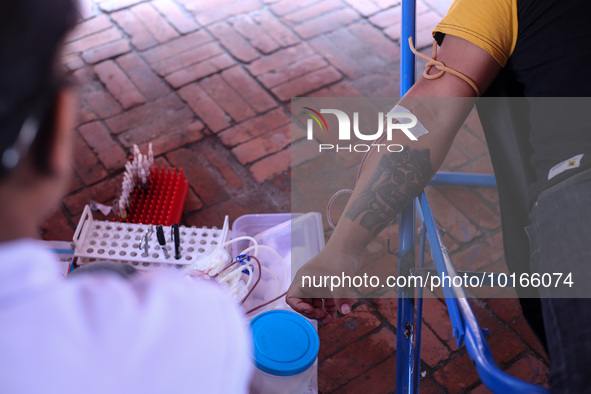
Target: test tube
column 177, row 241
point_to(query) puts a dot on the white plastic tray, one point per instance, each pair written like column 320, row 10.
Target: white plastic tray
column 103, row 240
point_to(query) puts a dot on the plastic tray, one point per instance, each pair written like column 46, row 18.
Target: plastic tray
column 102, row 240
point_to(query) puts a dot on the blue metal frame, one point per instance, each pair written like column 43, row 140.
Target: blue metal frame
column 465, row 324
column 478, row 350
column 464, row 179
column 405, row 353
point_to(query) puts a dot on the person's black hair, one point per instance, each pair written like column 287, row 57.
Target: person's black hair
column 31, row 36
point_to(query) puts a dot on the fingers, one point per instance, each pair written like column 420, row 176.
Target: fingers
column 330, row 309
column 344, row 305
column 309, row 307
column 334, row 305
column 297, row 300
column 323, row 309
column 300, row 305
column 312, row 311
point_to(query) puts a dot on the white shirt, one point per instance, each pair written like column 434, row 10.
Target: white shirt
column 105, row 334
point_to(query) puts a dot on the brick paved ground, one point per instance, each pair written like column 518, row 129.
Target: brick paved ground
column 209, row 84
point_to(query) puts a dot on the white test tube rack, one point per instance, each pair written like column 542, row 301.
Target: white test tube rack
column 96, row 240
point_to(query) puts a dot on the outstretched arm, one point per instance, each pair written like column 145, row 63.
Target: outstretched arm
column 390, row 181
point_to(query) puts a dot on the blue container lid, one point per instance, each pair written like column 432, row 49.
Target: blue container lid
column 285, row 343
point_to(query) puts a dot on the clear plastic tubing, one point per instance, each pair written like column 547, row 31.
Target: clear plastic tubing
column 285, row 349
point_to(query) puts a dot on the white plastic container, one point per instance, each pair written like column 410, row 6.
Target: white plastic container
column 296, row 237
column 285, row 350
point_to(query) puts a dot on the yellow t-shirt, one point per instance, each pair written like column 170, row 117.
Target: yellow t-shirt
column 488, row 24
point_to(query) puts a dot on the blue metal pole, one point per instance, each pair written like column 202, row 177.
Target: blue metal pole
column 405, row 321
column 464, row 179
column 406, row 227
column 407, row 58
column 419, row 305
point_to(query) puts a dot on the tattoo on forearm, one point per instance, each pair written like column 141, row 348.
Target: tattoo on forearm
column 398, row 179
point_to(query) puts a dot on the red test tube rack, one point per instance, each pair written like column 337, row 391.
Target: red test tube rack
column 162, row 202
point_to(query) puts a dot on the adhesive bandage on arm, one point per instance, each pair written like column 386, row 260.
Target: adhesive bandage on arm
column 414, row 129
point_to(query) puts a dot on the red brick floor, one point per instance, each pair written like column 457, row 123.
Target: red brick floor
column 209, row 84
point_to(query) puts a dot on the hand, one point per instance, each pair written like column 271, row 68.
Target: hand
column 321, row 303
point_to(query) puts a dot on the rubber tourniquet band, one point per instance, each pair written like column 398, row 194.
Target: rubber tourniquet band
column 432, row 62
